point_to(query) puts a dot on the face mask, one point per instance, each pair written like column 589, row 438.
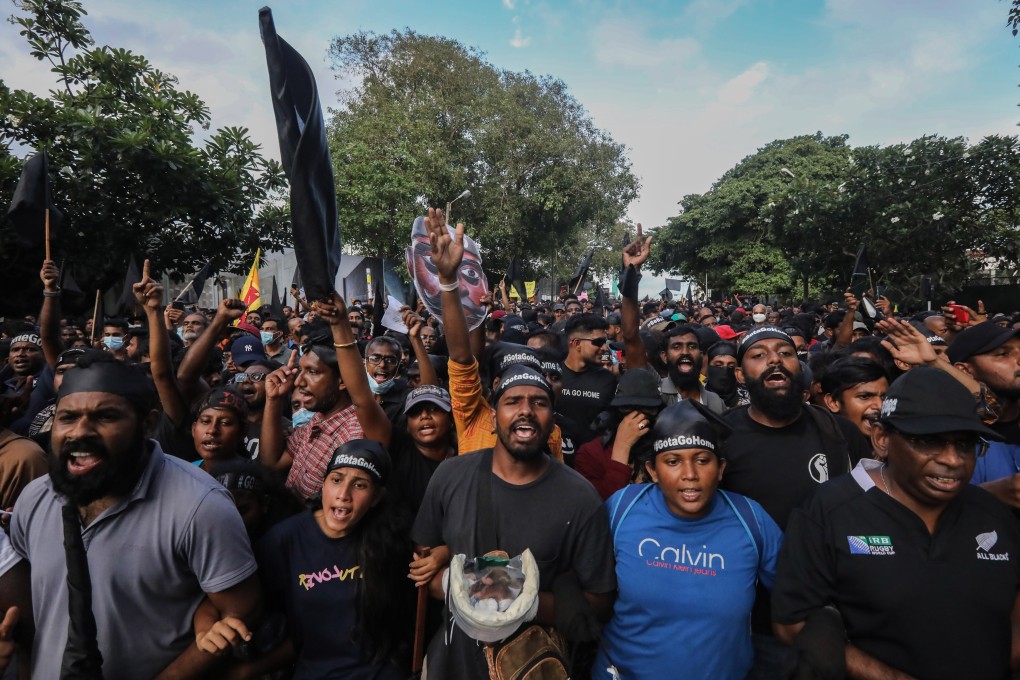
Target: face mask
column 379, row 387
column 758, row 318
column 722, row 380
column 113, row 344
column 300, row 417
column 267, row 337
column 180, row 333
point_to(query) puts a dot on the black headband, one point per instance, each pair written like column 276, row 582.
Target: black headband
column 113, row 377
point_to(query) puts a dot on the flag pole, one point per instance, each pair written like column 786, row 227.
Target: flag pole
column 95, row 313
column 185, row 290
column 48, row 234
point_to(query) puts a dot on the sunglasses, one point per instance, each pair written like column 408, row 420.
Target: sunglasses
column 598, row 342
column 246, row 377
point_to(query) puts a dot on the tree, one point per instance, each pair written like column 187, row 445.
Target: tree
column 124, row 165
column 431, row 118
column 934, row 206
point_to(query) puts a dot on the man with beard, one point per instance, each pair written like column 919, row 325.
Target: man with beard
column 524, row 491
column 682, row 356
column 115, row 491
column 317, row 386
column 194, row 325
column 272, row 337
column 779, row 451
column 25, row 360
column 854, row 388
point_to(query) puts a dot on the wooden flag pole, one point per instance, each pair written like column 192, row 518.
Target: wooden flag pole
column 418, row 652
column 95, row 313
column 48, row 234
column 185, row 290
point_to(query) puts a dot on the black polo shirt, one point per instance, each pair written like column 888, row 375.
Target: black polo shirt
column 930, row 605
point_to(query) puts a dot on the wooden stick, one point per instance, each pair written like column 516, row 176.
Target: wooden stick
column 48, row 234
column 95, row 313
column 185, row 290
column 418, row 656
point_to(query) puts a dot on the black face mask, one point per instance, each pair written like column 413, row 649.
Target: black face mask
column 722, row 380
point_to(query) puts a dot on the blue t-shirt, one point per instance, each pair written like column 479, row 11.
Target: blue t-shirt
column 1001, row 460
column 686, row 591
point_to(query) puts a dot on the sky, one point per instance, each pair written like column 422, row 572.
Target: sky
column 689, row 86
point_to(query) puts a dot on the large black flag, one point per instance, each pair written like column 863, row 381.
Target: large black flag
column 31, row 200
column 275, row 304
column 67, row 283
column 305, row 158
column 515, row 276
column 581, row 273
column 126, row 301
column 378, row 309
column 666, row 294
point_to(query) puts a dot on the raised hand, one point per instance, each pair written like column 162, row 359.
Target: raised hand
column 884, row 305
column 148, row 293
column 280, row 382
column 332, row 311
column 230, row 310
column 637, row 252
column 50, row 276
column 851, row 301
column 447, row 250
column 906, row 343
column 412, row 321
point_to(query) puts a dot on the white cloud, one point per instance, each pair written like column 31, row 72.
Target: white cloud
column 510, row 4
column 519, row 40
column 740, row 89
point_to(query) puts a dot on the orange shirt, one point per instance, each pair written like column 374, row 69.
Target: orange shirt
column 474, row 417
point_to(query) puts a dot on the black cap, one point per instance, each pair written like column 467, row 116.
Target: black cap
column 639, row 388
column 979, row 339
column 363, row 454
column 758, row 334
column 503, row 355
column 226, row 398
column 688, row 425
column 930, row 401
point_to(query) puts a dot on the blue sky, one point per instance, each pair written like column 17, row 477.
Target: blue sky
column 689, row 87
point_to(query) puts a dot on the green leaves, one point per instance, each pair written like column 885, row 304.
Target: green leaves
column 432, row 118
column 131, row 177
column 935, row 205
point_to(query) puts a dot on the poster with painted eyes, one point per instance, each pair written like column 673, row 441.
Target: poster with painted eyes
column 473, row 284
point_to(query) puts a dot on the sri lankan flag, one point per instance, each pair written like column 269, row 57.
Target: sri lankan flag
column 251, row 291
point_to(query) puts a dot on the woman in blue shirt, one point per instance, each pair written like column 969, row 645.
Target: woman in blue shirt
column 688, row 557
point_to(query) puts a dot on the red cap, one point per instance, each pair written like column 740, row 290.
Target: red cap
column 498, row 314
column 727, row 333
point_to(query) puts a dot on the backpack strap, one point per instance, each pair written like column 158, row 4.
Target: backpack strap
column 741, row 507
column 624, row 502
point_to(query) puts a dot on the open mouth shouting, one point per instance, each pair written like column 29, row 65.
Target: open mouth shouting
column 777, row 379
column 83, row 457
column 525, row 430
column 685, row 364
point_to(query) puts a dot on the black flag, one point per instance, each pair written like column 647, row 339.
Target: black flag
column 690, row 296
column 860, row 283
column 516, row 278
column 276, row 305
column 600, row 300
column 198, row 284
column 31, row 200
column 126, row 301
column 666, row 295
column 305, row 158
column 378, row 309
column 67, row 283
column 581, row 273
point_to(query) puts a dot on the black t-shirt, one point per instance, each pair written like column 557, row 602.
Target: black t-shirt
column 411, row 470
column 559, row 517
column 252, row 432
column 313, row 579
column 1009, row 431
column 176, row 440
column 901, row 590
column 393, row 402
column 584, row 396
column 573, row 436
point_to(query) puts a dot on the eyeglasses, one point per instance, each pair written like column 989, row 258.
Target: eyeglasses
column 932, row 445
column 705, row 318
column 598, row 342
column 382, row 359
column 246, row 377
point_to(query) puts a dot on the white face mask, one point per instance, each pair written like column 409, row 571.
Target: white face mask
column 379, row 387
column 758, row 318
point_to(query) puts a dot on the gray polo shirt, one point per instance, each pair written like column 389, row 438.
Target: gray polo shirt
column 670, row 396
column 151, row 557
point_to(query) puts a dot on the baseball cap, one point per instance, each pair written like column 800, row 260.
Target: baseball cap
column 226, row 398
column 638, row 387
column 979, row 339
column 930, row 401
column 246, row 349
column 861, row 326
column 428, row 393
column 726, row 332
column 498, row 314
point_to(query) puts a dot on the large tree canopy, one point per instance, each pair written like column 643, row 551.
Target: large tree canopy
column 792, row 216
column 124, row 165
column 430, row 118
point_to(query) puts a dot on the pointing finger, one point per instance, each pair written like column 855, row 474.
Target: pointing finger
column 145, row 270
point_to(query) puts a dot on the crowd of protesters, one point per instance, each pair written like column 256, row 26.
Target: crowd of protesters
column 714, row 490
